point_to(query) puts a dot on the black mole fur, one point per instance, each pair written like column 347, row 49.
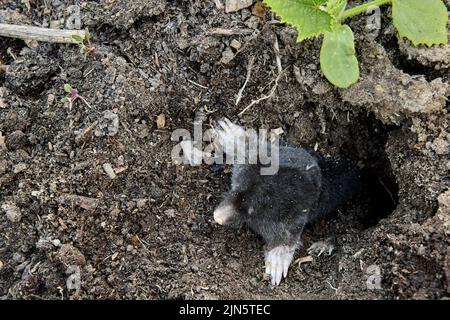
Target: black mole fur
column 306, row 187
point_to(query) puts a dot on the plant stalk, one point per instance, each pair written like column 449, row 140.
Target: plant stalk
column 40, row 34
column 362, row 8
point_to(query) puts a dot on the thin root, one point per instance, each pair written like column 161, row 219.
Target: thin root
column 272, row 92
column 249, row 73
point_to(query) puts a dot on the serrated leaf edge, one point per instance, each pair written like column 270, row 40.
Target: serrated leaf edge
column 429, row 44
column 333, row 20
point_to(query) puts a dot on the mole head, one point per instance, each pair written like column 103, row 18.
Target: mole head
column 228, row 212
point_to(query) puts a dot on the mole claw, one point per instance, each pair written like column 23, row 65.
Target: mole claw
column 230, row 124
column 227, row 123
column 286, row 268
column 320, row 247
column 274, row 275
column 222, row 125
column 278, row 261
column 278, row 275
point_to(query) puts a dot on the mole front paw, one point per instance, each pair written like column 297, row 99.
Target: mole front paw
column 318, row 248
column 278, row 261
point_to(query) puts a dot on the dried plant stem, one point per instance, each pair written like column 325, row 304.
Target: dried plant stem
column 39, row 34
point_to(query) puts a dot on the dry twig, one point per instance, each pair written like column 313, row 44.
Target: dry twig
column 40, row 34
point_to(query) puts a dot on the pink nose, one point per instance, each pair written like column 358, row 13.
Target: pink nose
column 223, row 215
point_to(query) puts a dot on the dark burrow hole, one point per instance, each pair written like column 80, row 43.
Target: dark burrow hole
column 378, row 196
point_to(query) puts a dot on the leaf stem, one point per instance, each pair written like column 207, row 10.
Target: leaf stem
column 362, row 8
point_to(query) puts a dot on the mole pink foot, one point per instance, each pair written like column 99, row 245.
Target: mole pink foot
column 229, row 134
column 318, row 248
column 224, row 214
column 278, row 261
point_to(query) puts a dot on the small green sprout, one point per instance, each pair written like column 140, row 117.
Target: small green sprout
column 423, row 22
column 86, row 47
column 72, row 96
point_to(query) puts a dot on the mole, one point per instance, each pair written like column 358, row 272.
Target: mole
column 306, row 187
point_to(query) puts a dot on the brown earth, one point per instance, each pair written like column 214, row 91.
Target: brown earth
column 148, row 233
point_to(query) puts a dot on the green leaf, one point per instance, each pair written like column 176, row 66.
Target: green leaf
column 307, row 16
column 78, row 38
column 67, row 88
column 87, row 34
column 421, row 21
column 337, row 57
column 336, row 7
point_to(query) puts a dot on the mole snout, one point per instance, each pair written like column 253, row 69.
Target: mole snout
column 225, row 215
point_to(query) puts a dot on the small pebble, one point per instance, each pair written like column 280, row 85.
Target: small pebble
column 18, row 257
column 161, row 121
column 141, row 203
column 3, row 166
column 108, row 124
column 235, row 44
column 36, row 193
column 259, row 10
column 18, row 168
column 16, row 140
column 51, row 99
column 69, row 255
column 109, row 170
column 227, row 56
column 170, row 213
column 120, row 161
column 236, row 5
column 12, row 212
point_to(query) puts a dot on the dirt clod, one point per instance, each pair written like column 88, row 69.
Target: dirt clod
column 16, row 140
column 71, row 256
column 109, row 170
column 108, row 124
column 161, row 121
column 236, row 5
column 12, row 212
column 81, row 201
